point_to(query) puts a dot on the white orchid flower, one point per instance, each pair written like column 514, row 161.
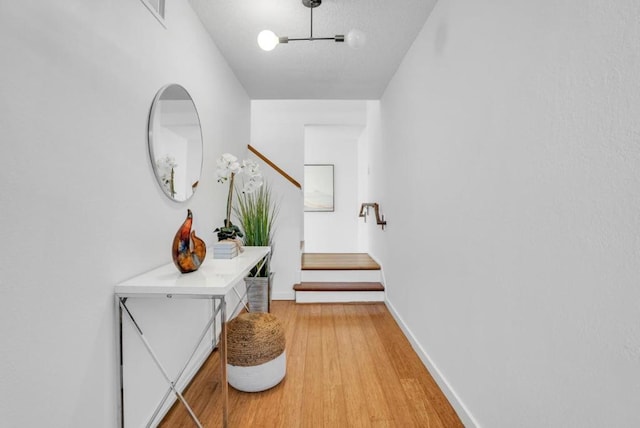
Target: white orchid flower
column 252, row 184
column 251, row 168
column 227, row 164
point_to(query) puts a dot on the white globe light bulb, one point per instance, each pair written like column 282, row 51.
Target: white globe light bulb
column 267, row 40
column 356, row 39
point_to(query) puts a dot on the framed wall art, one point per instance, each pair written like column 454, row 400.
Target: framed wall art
column 318, row 188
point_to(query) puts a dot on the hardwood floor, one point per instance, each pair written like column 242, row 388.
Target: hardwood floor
column 348, row 365
column 338, row 261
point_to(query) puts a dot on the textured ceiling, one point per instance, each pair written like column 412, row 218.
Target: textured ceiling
column 319, row 69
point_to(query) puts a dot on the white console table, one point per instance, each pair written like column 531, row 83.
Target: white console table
column 213, row 280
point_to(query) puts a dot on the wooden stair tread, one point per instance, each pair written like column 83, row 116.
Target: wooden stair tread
column 338, row 286
column 338, row 261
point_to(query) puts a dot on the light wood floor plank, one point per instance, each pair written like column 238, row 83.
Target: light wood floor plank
column 312, row 399
column 289, row 405
column 404, row 414
column 338, row 261
column 348, row 366
column 357, row 414
column 374, row 388
column 333, row 389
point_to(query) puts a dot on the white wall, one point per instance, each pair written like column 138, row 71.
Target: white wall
column 277, row 131
column 511, row 184
column 81, row 209
column 336, row 231
column 364, row 175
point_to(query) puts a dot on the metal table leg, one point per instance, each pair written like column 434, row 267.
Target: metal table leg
column 158, row 364
column 186, row 364
column 119, row 380
column 121, row 308
column 223, row 363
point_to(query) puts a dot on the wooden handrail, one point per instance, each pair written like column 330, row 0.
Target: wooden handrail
column 274, row 166
column 364, row 210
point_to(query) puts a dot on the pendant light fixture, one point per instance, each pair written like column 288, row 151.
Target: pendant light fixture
column 268, row 40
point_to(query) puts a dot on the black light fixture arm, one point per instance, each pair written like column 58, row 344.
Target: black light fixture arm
column 336, row 38
column 312, row 4
column 268, row 40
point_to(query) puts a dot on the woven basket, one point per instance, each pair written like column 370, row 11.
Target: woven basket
column 256, row 358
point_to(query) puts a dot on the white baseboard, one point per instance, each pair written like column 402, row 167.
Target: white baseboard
column 288, row 295
column 339, row 296
column 463, row 413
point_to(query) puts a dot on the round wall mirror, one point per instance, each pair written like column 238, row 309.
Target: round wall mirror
column 175, row 142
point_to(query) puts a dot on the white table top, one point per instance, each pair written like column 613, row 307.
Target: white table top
column 215, row 277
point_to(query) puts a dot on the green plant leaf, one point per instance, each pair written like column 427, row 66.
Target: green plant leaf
column 256, row 213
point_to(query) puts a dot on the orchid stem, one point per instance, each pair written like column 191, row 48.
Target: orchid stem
column 227, row 221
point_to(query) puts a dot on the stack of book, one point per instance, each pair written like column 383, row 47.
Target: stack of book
column 225, row 250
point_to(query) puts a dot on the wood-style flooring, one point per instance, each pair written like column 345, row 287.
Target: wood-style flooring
column 348, row 365
column 338, row 261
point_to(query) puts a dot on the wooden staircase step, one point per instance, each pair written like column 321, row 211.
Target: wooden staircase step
column 338, row 286
column 338, row 261
column 339, row 277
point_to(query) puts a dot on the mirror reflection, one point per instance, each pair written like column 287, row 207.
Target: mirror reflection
column 175, row 142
